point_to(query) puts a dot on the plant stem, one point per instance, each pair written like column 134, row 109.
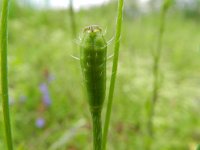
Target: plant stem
column 73, row 24
column 156, row 67
column 72, row 18
column 114, row 72
column 97, row 130
column 4, row 73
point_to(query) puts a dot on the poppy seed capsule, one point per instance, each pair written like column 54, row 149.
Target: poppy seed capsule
column 93, row 52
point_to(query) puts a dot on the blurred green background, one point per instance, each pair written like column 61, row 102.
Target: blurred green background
column 49, row 109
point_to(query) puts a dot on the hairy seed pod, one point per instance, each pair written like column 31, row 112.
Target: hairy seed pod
column 93, row 54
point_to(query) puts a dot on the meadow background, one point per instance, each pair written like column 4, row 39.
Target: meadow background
column 49, row 108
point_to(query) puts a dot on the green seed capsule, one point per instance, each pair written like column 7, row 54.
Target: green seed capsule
column 93, row 54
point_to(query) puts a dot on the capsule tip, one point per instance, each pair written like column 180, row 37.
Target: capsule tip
column 92, row 29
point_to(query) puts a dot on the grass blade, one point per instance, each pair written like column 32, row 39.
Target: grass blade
column 68, row 135
column 4, row 73
column 114, row 72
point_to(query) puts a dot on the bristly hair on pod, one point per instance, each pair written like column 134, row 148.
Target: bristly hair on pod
column 87, row 30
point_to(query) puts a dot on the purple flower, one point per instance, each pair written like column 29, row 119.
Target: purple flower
column 46, row 99
column 40, row 122
column 43, row 88
column 45, row 92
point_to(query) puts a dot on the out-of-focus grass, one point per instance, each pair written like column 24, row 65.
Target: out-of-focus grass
column 40, row 42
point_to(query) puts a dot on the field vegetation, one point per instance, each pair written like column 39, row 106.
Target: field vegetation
column 47, row 100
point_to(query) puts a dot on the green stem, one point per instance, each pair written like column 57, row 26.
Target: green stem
column 72, row 18
column 4, row 73
column 114, row 72
column 73, row 24
column 97, row 130
column 156, row 67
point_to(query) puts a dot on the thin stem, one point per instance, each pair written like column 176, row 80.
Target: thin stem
column 97, row 130
column 156, row 66
column 73, row 24
column 4, row 73
column 114, row 72
column 72, row 18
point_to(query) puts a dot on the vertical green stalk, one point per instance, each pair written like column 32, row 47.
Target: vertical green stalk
column 72, row 18
column 114, row 72
column 4, row 73
column 97, row 130
column 156, row 63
